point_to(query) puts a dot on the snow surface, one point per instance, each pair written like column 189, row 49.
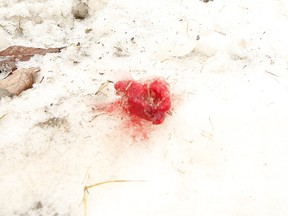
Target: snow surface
column 223, row 152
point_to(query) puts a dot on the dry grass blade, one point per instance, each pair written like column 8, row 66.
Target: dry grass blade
column 98, row 184
column 23, row 53
column 2, row 116
column 19, row 81
column 103, row 85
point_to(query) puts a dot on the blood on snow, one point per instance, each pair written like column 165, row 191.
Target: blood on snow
column 149, row 100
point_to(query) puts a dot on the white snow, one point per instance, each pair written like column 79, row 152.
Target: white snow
column 223, row 151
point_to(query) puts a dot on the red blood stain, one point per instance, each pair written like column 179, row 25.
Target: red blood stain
column 142, row 102
column 149, row 100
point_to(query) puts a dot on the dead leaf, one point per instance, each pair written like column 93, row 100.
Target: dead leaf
column 19, row 80
column 6, row 67
column 23, row 53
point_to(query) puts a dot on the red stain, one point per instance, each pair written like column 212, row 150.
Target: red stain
column 149, row 100
column 140, row 103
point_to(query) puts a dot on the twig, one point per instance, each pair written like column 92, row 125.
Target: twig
column 94, row 117
column 41, row 79
column 271, row 73
column 201, row 68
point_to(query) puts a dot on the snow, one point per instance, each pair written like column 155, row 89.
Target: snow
column 222, row 152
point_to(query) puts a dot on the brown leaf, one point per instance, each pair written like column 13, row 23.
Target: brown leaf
column 20, row 80
column 23, row 53
column 6, row 67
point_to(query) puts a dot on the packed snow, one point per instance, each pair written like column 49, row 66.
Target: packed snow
column 223, row 149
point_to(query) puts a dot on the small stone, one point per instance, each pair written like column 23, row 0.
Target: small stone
column 80, row 11
column 38, row 206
